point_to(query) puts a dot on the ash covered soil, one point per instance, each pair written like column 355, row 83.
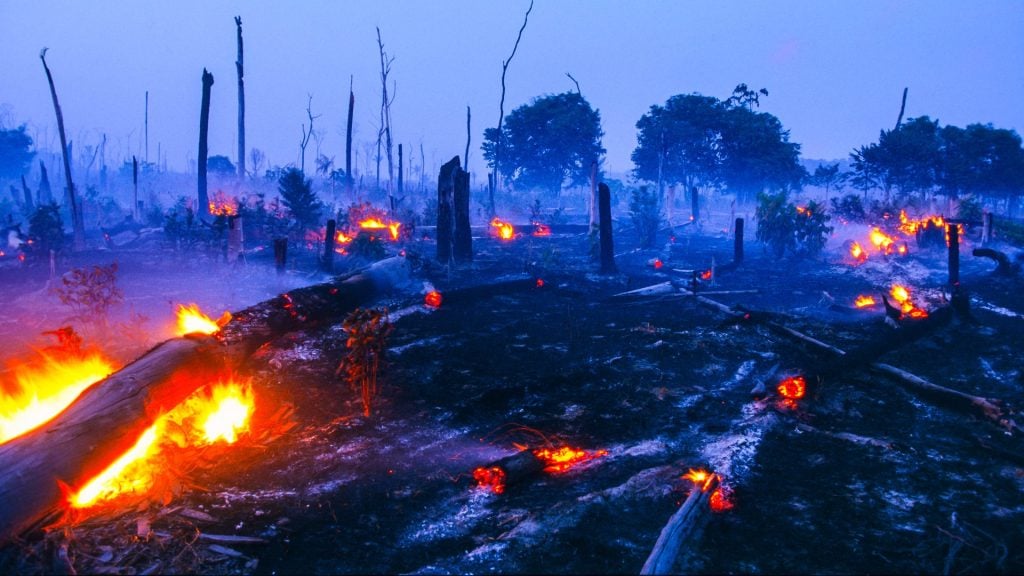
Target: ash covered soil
column 860, row 476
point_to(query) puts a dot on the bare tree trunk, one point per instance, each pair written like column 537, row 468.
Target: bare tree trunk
column 903, row 108
column 385, row 118
column 241, row 101
column 469, row 137
column 463, row 240
column 607, row 247
column 501, row 106
column 349, row 180
column 44, row 194
column 145, row 129
column 135, row 189
column 306, row 136
column 28, row 196
column 445, row 209
column 400, row 188
column 77, row 221
column 204, row 126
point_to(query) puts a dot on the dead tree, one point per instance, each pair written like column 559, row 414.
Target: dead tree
column 44, row 194
column 607, row 247
column 77, row 220
column 204, row 127
column 306, row 136
column 385, row 117
column 135, row 189
column 400, row 170
column 463, row 239
column 446, row 209
column 241, row 100
column 145, row 128
column 903, row 107
column 737, row 249
column 501, row 109
column 469, row 133
column 349, row 181
column 29, row 204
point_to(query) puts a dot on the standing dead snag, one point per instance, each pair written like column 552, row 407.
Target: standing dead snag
column 241, row 101
column 462, row 248
column 349, row 181
column 607, row 248
column 77, row 221
column 367, row 331
column 204, row 126
column 501, row 108
column 445, row 209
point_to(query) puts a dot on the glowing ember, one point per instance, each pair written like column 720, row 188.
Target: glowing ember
column 492, row 478
column 857, row 252
column 504, row 230
column 864, row 301
column 901, row 294
column 793, row 387
column 565, row 457
column 803, row 211
column 706, row 275
column 658, row 264
column 191, row 320
column 698, row 476
column 540, row 282
column 541, row 229
column 41, row 388
column 204, row 418
column 432, row 299
column 721, row 499
column 342, row 238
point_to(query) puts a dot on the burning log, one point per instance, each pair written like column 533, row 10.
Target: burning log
column 1002, row 260
column 97, row 428
column 498, row 475
column 682, row 525
column 109, row 417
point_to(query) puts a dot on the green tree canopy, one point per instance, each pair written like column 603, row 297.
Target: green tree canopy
column 15, row 152
column 905, row 159
column 298, row 196
column 220, row 165
column 548, row 142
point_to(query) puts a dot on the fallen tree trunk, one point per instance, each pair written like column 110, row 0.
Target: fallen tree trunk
column 1002, row 261
column 682, row 525
column 109, row 417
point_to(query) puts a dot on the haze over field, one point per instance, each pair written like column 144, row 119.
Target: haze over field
column 835, row 71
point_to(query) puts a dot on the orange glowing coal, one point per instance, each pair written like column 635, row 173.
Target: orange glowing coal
column 564, row 458
column 378, row 224
column 699, row 477
column 721, row 499
column 492, row 478
column 863, row 301
column 901, row 294
column 503, row 229
column 541, row 229
column 221, row 205
column 793, row 388
column 341, row 238
column 34, row 391
column 191, row 320
column 212, row 415
column 433, row 299
column 857, row 252
column 706, row 275
column 658, row 264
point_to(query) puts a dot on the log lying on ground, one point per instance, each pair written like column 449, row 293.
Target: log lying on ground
column 1002, row 261
column 684, row 524
column 109, row 417
column 518, row 467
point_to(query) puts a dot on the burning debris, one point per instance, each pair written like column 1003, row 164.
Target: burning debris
column 191, row 320
column 502, row 229
column 36, row 389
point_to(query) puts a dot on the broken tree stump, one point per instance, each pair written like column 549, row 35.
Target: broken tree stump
column 684, row 524
column 446, row 209
column 737, row 249
column 607, row 246
column 953, row 233
column 463, row 239
column 109, row 417
column 280, row 254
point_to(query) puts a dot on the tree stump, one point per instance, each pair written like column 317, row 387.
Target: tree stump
column 446, row 209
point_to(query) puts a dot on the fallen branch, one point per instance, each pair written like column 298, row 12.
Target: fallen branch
column 847, row 436
column 1002, row 260
column 682, row 525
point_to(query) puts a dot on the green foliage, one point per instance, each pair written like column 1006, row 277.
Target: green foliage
column 782, row 226
column 368, row 244
column 549, row 142
column 849, row 208
column 298, row 196
column 220, row 165
column 15, row 152
column 645, row 214
column 969, row 209
column 179, row 221
column 90, row 293
column 827, row 176
column 45, row 233
column 367, row 331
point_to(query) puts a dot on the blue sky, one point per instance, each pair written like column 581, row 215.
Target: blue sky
column 835, row 70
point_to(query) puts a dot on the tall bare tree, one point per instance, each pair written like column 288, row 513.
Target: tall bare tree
column 385, row 116
column 469, row 136
column 77, row 221
column 204, row 127
column 241, row 100
column 306, row 135
column 349, row 180
column 501, row 107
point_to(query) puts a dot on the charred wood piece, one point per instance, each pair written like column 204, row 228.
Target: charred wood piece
column 1003, row 265
column 683, row 526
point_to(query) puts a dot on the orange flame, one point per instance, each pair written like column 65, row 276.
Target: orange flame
column 207, row 417
column 541, row 229
column 882, row 241
column 901, row 294
column 378, row 224
column 793, row 388
column 220, row 205
column 698, row 476
column 44, row 386
column 565, row 457
column 192, row 320
column 857, row 252
column 863, row 301
column 505, row 230
column 433, row 299
column 492, row 479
